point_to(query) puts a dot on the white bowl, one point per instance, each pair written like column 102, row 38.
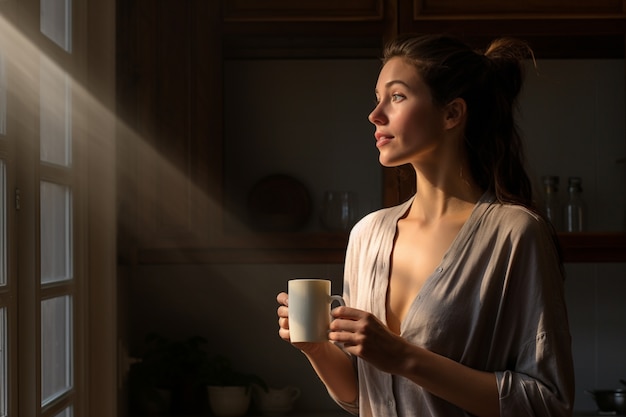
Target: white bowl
column 229, row 401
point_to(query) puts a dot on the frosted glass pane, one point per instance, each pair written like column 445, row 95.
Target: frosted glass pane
column 3, row 97
column 3, row 222
column 68, row 412
column 4, row 376
column 55, row 114
column 56, row 232
column 56, row 22
column 56, row 347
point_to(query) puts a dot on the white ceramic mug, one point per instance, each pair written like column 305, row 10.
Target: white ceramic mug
column 309, row 309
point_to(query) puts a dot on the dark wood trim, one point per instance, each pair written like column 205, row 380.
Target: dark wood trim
column 593, row 247
column 398, row 185
column 241, row 256
column 281, row 248
column 330, row 249
column 268, row 45
column 324, row 10
column 551, row 38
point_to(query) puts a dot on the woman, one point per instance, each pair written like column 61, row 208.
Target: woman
column 454, row 299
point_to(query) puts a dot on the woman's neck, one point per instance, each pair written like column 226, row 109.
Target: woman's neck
column 441, row 196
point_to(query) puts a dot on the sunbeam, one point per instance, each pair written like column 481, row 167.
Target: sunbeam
column 36, row 81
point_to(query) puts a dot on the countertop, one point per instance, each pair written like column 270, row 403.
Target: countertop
column 344, row 414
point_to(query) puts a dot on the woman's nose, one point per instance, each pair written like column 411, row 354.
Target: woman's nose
column 377, row 116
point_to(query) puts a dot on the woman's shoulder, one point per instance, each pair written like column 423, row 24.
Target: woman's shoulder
column 516, row 212
column 514, row 219
column 388, row 213
column 513, row 227
column 381, row 218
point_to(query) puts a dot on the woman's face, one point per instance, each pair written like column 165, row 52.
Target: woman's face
column 409, row 127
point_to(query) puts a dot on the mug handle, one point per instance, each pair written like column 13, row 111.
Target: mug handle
column 338, row 299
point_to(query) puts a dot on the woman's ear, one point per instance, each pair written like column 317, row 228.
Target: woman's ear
column 455, row 113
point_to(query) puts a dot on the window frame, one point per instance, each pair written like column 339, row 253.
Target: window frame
column 94, row 287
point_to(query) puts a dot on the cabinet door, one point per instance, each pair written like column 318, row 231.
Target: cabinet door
column 310, row 10
column 507, row 8
column 328, row 26
column 169, row 71
column 554, row 28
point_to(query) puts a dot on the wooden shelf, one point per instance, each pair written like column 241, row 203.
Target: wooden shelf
column 593, row 247
column 298, row 248
column 329, row 248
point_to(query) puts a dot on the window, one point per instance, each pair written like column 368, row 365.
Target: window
column 46, row 276
column 6, row 291
column 55, row 114
column 56, row 22
column 56, row 348
column 3, row 97
column 4, row 377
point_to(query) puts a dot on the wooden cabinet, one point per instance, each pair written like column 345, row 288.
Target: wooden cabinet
column 170, row 94
column 554, row 28
column 169, row 146
column 323, row 28
column 425, row 9
column 303, row 10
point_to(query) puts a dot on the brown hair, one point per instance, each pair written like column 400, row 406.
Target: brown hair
column 490, row 83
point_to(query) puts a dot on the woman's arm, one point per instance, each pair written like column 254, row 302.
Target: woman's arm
column 363, row 335
column 336, row 371
column 472, row 390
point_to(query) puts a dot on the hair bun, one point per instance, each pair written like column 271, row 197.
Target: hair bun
column 506, row 57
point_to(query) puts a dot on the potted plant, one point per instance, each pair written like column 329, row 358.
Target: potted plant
column 145, row 396
column 230, row 390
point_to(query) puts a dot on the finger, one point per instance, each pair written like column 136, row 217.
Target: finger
column 344, row 338
column 347, row 313
column 283, row 323
column 282, row 311
column 284, row 334
column 283, row 298
column 343, row 325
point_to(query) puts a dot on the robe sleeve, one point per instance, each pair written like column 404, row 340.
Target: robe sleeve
column 350, row 275
column 540, row 380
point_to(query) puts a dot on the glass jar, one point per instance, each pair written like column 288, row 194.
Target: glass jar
column 575, row 207
column 338, row 210
column 551, row 202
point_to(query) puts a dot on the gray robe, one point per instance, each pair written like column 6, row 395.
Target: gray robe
column 495, row 303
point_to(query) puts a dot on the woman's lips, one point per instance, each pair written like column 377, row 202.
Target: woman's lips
column 382, row 140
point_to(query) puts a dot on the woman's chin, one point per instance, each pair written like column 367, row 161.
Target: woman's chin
column 390, row 163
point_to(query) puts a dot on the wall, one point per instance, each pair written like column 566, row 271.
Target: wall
column 573, row 115
column 303, row 118
column 234, row 307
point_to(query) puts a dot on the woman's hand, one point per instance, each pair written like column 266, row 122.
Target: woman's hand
column 365, row 336
column 283, row 326
column 330, row 363
column 283, row 316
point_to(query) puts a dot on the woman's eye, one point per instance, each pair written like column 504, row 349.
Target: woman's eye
column 397, row 97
